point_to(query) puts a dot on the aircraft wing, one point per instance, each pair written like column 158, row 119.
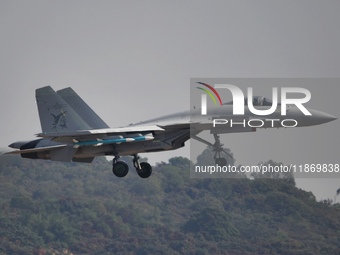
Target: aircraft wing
column 95, row 137
column 99, row 137
column 104, row 131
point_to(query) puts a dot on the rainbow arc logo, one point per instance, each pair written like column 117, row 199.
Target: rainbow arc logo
column 213, row 94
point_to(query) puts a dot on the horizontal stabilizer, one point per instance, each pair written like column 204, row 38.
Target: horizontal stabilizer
column 5, row 150
column 47, row 148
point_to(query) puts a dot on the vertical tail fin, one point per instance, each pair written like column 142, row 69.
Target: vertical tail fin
column 55, row 114
column 81, row 108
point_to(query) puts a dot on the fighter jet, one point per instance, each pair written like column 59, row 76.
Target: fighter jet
column 72, row 131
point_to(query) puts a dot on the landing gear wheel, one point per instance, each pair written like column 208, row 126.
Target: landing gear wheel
column 221, row 162
column 145, row 170
column 120, row 169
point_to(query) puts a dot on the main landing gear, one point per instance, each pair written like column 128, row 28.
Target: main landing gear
column 217, row 148
column 121, row 169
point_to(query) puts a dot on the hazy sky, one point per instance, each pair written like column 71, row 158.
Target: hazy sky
column 133, row 60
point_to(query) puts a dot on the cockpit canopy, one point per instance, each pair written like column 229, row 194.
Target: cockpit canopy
column 257, row 101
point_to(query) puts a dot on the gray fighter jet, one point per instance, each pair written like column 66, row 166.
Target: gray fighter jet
column 72, row 131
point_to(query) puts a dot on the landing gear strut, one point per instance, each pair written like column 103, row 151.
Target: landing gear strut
column 121, row 169
column 144, row 169
column 217, row 148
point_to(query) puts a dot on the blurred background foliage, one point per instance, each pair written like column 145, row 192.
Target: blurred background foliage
column 70, row 208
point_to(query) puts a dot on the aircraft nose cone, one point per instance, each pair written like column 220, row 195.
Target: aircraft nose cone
column 321, row 117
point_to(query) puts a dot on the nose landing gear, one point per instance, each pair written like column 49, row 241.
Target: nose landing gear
column 217, row 148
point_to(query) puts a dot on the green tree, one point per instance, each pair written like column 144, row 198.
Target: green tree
column 275, row 170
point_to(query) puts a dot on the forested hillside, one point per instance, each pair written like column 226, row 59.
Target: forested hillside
column 70, row 208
